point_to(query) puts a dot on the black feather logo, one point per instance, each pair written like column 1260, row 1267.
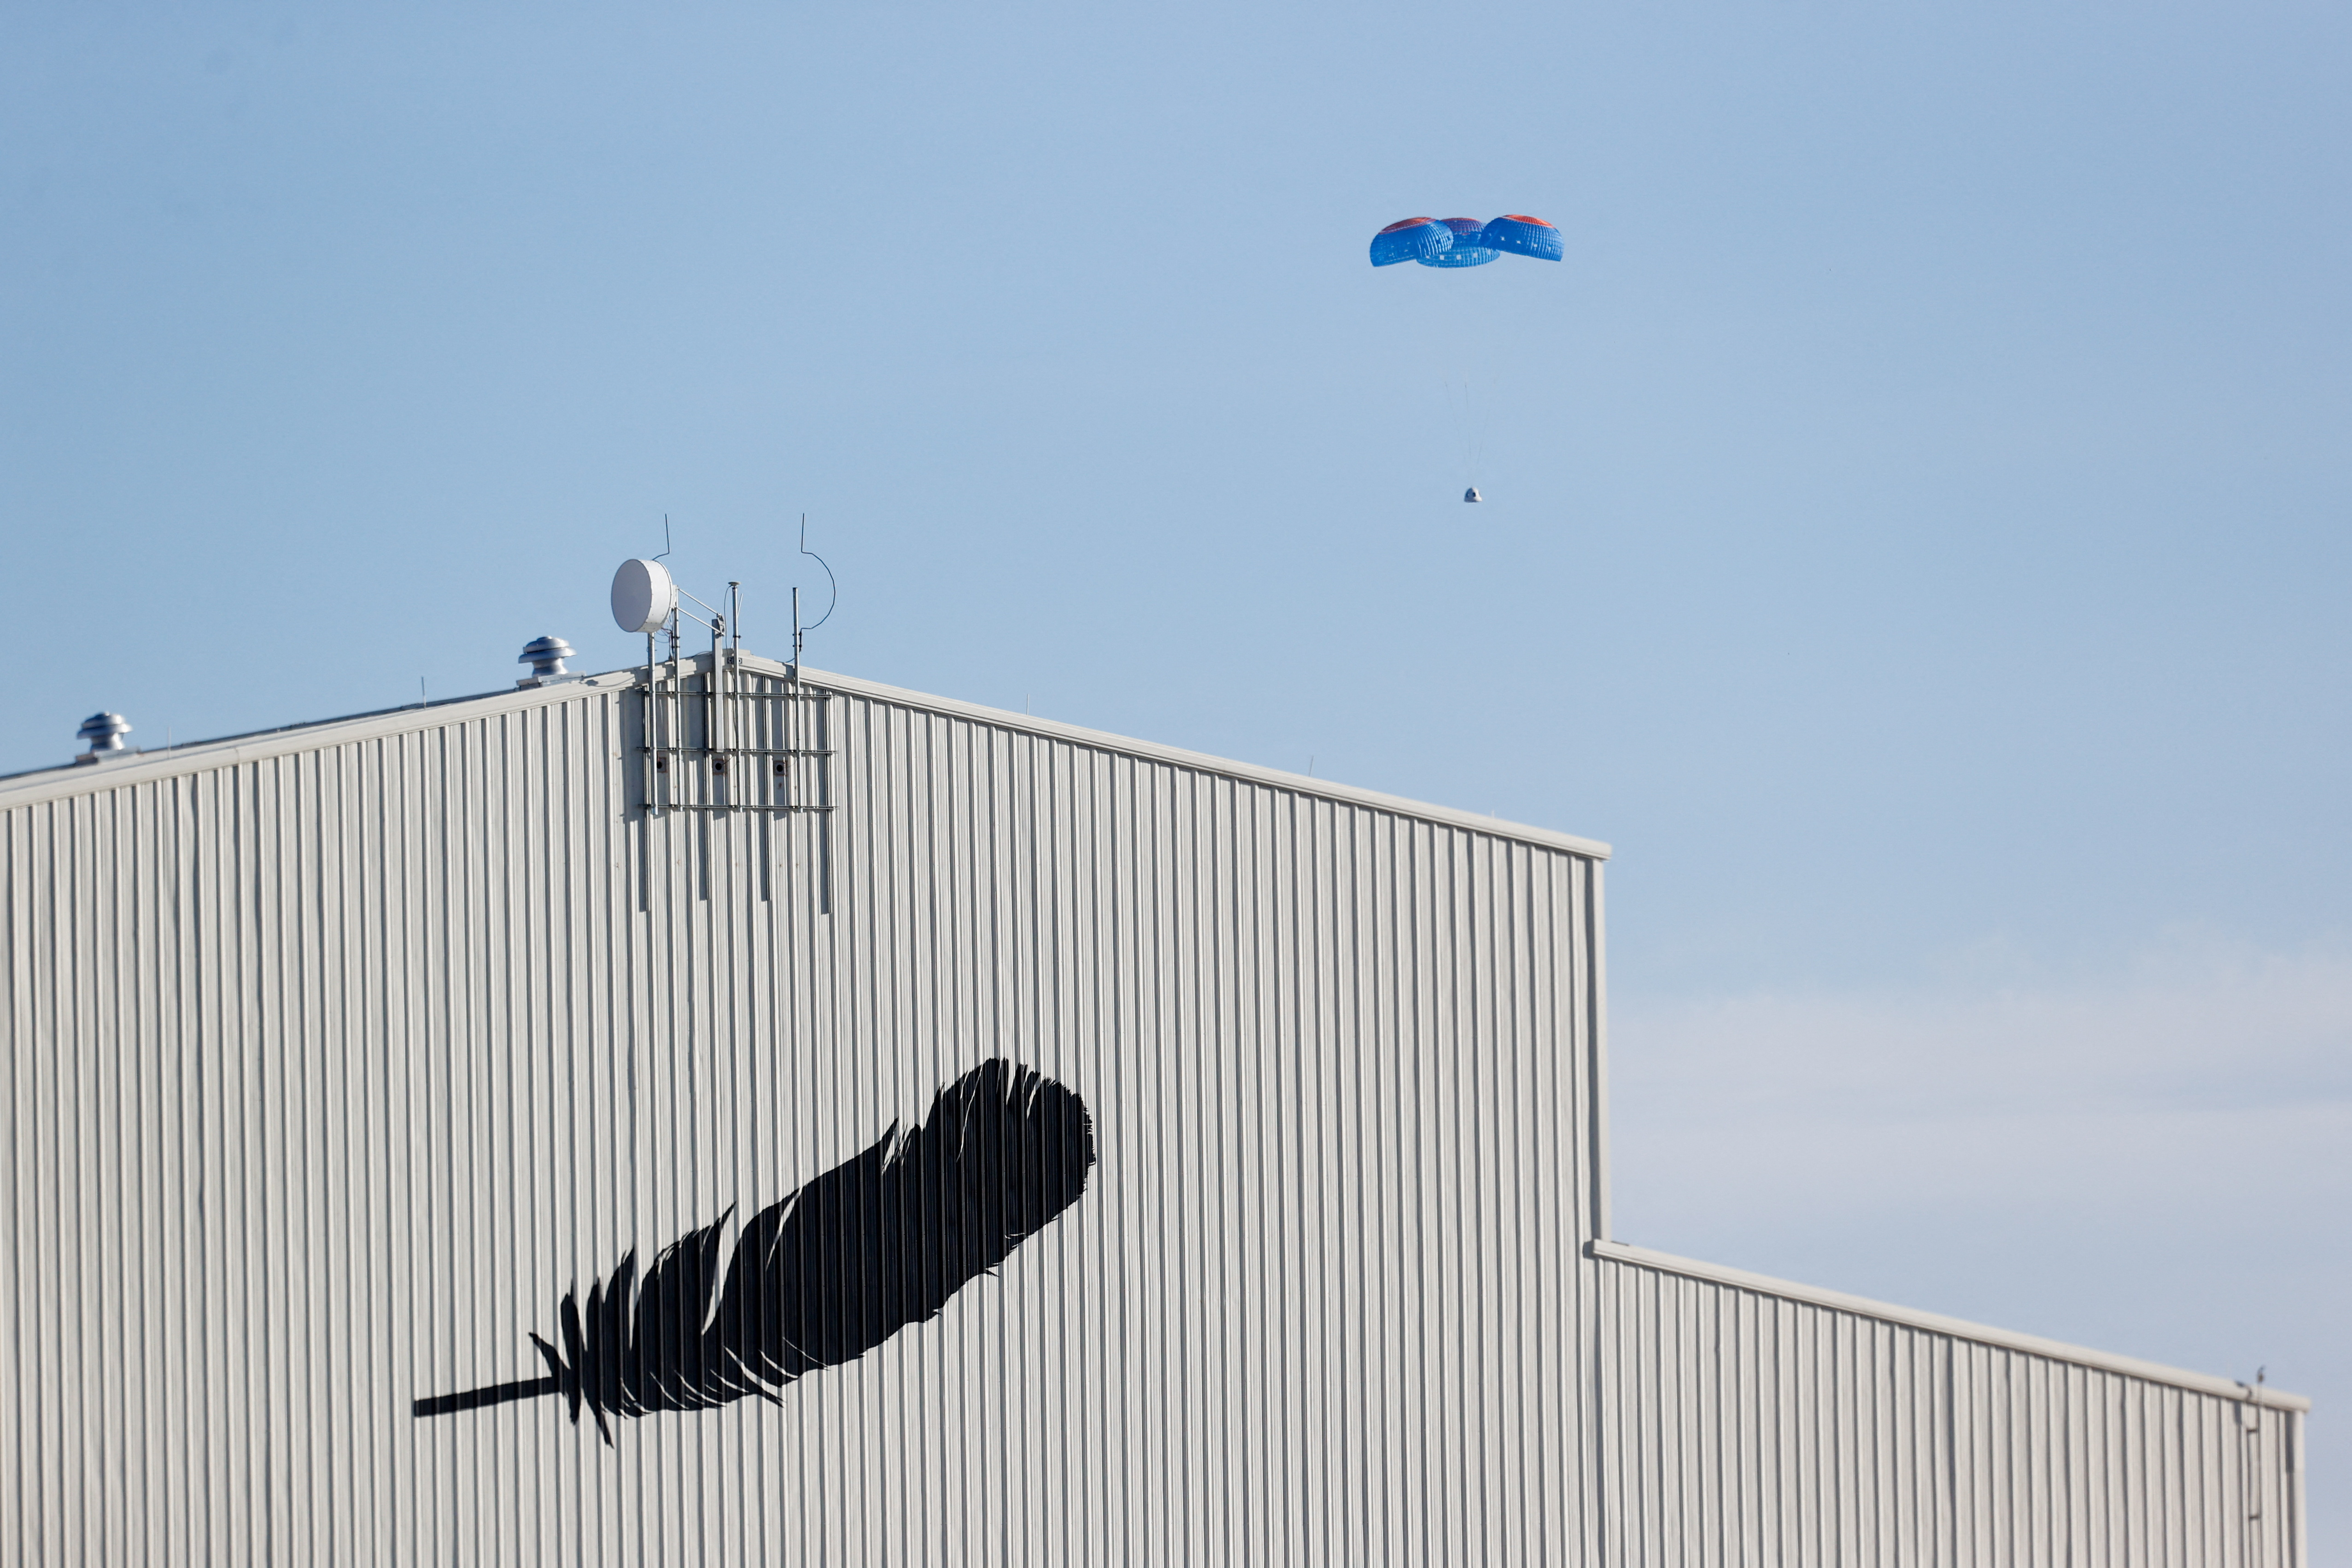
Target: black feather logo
column 828, row 1273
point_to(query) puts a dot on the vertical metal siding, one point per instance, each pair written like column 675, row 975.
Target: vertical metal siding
column 1744, row 1428
column 330, row 1071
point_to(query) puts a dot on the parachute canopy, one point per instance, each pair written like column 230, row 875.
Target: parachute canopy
column 1409, row 239
column 1469, row 248
column 1523, row 235
column 1466, row 242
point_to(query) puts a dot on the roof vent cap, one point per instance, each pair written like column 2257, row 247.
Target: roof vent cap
column 103, row 732
column 546, row 656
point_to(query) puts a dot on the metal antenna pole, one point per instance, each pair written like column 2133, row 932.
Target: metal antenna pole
column 674, row 706
column 795, row 734
column 714, row 708
column 737, row 721
column 739, row 716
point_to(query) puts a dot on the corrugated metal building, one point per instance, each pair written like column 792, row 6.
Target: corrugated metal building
column 342, row 1058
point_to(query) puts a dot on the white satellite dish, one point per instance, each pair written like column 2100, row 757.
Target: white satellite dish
column 643, row 595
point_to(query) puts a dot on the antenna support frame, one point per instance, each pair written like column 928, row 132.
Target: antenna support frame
column 719, row 738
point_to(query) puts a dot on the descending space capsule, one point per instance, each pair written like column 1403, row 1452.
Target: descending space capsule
column 1454, row 243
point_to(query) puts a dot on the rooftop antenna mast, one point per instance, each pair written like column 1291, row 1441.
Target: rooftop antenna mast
column 666, row 548
column 721, row 739
column 800, row 632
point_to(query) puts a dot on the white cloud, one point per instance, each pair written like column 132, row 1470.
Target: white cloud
column 2155, row 1159
column 2193, row 1022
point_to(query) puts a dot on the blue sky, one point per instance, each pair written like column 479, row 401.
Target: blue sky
column 1915, row 531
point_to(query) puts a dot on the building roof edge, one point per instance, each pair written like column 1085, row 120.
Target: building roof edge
column 145, row 767
column 1954, row 1328
column 1198, row 762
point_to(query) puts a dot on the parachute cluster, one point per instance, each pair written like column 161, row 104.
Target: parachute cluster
column 1465, row 241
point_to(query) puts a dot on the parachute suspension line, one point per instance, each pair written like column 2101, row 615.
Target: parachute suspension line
column 1453, row 422
column 1468, row 428
column 1464, row 331
column 1461, row 411
column 1459, row 396
column 1480, row 450
column 1474, row 434
column 1478, row 333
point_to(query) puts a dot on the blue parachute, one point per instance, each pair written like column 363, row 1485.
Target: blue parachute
column 1469, row 248
column 1466, row 242
column 1523, row 235
column 1409, row 239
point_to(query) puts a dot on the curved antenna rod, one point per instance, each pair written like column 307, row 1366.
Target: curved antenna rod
column 833, row 582
column 667, row 546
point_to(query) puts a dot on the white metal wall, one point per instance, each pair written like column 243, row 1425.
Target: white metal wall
column 336, row 1060
column 1751, row 1425
column 332, row 1069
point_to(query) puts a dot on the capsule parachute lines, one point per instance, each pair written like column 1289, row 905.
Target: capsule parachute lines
column 1458, row 242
